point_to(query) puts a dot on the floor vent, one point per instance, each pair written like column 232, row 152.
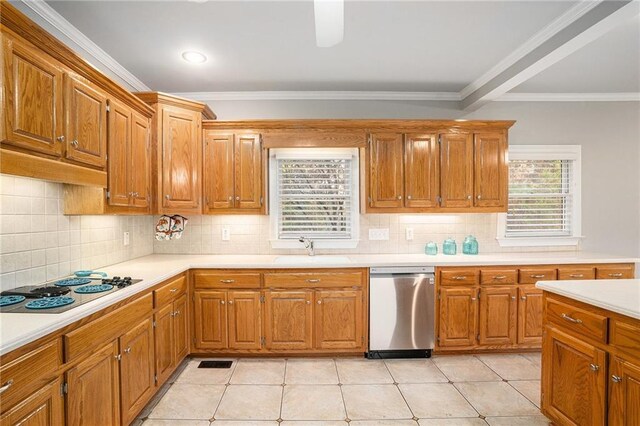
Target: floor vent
column 215, row 364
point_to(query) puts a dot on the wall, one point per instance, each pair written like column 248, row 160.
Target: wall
column 38, row 243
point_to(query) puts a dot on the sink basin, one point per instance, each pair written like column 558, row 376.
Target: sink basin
column 311, row 260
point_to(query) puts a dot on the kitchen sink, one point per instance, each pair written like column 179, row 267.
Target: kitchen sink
column 311, row 260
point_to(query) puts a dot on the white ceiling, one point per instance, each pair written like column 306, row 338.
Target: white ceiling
column 424, row 46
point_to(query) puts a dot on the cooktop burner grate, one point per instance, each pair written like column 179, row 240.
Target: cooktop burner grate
column 49, row 302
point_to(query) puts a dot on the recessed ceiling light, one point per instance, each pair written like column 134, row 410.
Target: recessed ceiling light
column 194, row 57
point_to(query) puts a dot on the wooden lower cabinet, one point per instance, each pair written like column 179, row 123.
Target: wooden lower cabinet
column 458, row 317
column 498, row 315
column 339, row 319
column 624, row 393
column 210, row 319
column 288, row 319
column 45, row 407
column 181, row 328
column 574, row 379
column 94, row 389
column 529, row 315
column 163, row 333
column 243, row 318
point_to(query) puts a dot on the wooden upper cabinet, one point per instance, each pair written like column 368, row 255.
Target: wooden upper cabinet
column 119, row 154
column 139, row 166
column 180, row 159
column 498, row 315
column 386, row 172
column 218, row 170
column 248, row 171
column 33, row 100
column 490, row 170
column 421, row 170
column 456, row 170
column 86, row 130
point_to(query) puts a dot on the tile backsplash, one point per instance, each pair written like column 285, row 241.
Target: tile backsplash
column 38, row 243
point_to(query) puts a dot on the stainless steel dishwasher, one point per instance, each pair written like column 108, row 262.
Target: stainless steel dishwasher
column 401, row 312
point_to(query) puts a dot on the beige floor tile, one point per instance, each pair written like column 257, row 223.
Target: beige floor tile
column 512, row 366
column 250, row 402
column 187, row 401
column 311, row 371
column 360, row 371
column 529, row 388
column 156, row 422
column 518, row 421
column 375, row 402
column 312, row 402
column 258, row 372
column 415, row 371
column 244, row 423
column 383, row 423
column 464, row 368
column 497, row 399
column 436, row 400
column 453, row 422
column 318, row 423
column 534, row 357
column 205, row 376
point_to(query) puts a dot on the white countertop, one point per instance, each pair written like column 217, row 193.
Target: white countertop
column 17, row 329
column 620, row 296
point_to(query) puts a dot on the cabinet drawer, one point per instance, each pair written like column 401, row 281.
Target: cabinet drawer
column 29, row 372
column 106, row 328
column 313, row 279
column 576, row 273
column 614, row 272
column 578, row 320
column 459, row 277
column 170, row 291
column 625, row 336
column 498, row 276
column 220, row 279
column 533, row 275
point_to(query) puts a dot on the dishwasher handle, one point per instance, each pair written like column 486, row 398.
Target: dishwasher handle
column 417, row 270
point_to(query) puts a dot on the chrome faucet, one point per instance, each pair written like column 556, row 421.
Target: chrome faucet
column 308, row 244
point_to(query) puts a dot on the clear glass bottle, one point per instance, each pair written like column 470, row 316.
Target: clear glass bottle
column 449, row 246
column 431, row 248
column 470, row 245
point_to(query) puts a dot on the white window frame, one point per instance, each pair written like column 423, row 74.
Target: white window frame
column 548, row 152
column 274, row 198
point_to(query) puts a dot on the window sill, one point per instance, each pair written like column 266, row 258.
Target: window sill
column 317, row 244
column 538, row 241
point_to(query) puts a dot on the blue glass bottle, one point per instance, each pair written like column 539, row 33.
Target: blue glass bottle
column 449, row 246
column 470, row 245
column 431, row 248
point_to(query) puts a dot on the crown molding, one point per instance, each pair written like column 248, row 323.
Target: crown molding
column 531, row 44
column 321, row 95
column 570, row 97
column 47, row 13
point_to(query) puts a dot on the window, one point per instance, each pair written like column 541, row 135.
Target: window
column 314, row 194
column 544, row 197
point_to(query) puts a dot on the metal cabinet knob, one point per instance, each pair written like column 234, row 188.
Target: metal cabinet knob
column 222, row 302
column 513, row 298
column 308, row 302
column 237, row 198
column 479, row 197
column 616, row 379
column 128, row 350
column 230, row 198
column 6, row 386
column 523, row 298
column 231, row 302
column 594, row 367
column 319, row 302
column 167, row 196
column 474, row 299
column 74, row 143
column 399, row 197
column 118, row 357
column 60, row 138
column 408, row 197
column 468, row 197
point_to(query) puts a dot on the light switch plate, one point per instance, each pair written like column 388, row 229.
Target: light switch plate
column 226, row 234
column 125, row 239
column 378, row 234
column 409, row 234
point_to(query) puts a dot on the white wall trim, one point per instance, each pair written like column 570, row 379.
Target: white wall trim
column 531, row 44
column 321, row 95
column 65, row 27
column 570, row 97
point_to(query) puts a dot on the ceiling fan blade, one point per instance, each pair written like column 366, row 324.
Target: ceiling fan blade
column 329, row 17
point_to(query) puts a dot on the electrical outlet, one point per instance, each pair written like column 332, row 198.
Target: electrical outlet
column 409, row 234
column 226, row 234
column 125, row 239
column 378, row 234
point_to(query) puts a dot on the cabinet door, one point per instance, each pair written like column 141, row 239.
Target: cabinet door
column 86, row 123
column 456, row 170
column 218, row 170
column 119, row 153
column 181, row 144
column 137, row 382
column 244, row 319
column 529, row 315
column 210, row 314
column 386, row 175
column 139, row 165
column 33, row 93
column 338, row 319
column 289, row 319
column 574, row 380
column 42, row 408
column 421, row 171
column 181, row 328
column 498, row 315
column 490, row 170
column 624, row 393
column 458, row 318
column 163, row 342
column 248, row 172
column 94, row 389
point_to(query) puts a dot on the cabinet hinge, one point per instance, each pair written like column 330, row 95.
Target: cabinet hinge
column 261, row 299
column 439, row 139
column 262, row 341
column 108, row 194
column 369, row 140
column 439, row 199
column 261, row 200
column 370, row 202
column 478, row 337
column 154, row 324
column 64, row 388
column 108, row 108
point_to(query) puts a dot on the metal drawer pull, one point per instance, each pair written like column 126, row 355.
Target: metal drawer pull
column 460, row 278
column 313, row 280
column 616, row 379
column 6, row 386
column 616, row 275
column 537, row 276
column 499, row 277
column 594, row 367
column 577, row 275
column 573, row 320
column 227, row 281
column 173, row 290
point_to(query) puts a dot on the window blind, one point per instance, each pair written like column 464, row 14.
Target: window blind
column 540, row 198
column 315, row 196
